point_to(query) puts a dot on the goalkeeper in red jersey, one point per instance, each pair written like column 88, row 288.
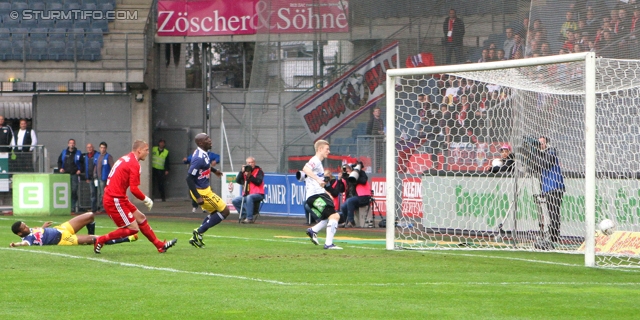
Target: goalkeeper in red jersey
column 124, row 175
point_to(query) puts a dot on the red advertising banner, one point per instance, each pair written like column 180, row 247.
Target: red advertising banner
column 221, row 18
column 348, row 96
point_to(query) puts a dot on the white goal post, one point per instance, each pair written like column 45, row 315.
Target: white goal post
column 443, row 130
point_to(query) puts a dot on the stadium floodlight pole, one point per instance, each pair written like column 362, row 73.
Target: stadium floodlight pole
column 590, row 158
column 392, row 74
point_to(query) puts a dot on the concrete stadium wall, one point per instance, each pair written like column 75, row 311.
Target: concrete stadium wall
column 85, row 118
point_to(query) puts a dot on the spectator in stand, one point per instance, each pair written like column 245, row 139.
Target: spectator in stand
column 634, row 47
column 485, row 56
column 500, row 56
column 517, row 47
column 591, row 23
column 517, row 55
column 531, row 48
column 569, row 24
column 453, row 30
column 452, row 91
column 375, row 127
column 568, row 41
column 545, row 49
column 607, row 48
column 491, row 54
column 621, row 31
column 538, row 28
column 509, row 42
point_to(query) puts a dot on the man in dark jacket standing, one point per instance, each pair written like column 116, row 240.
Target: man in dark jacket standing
column 70, row 162
column 6, row 136
column 453, row 29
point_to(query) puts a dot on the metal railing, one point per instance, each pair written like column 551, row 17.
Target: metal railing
column 23, row 159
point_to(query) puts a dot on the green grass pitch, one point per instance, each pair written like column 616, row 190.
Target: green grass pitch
column 267, row 271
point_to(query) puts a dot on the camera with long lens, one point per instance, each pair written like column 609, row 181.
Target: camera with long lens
column 528, row 153
column 355, row 174
column 248, row 168
column 327, row 180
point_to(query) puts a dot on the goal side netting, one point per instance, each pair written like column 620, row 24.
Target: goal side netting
column 525, row 154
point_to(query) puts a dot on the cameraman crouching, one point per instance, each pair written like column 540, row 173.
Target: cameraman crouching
column 252, row 179
column 358, row 191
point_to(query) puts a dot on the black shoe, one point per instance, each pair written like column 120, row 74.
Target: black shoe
column 167, row 245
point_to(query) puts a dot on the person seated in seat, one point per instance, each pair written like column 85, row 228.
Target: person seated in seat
column 358, row 191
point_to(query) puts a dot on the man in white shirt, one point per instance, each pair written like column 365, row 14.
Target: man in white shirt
column 318, row 199
column 24, row 138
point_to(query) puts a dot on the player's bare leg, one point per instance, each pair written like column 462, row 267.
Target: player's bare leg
column 79, row 222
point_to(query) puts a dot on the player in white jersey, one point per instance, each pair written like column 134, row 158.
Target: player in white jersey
column 318, row 199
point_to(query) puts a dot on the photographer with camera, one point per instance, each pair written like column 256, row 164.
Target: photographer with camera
column 506, row 161
column 357, row 191
column 334, row 186
column 544, row 160
column 252, row 179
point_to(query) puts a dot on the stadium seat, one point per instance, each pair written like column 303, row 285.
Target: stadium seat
column 57, row 50
column 37, row 6
column 5, row 34
column 36, row 34
column 66, row 24
column 37, row 50
column 5, row 50
column 46, row 23
column 94, row 34
column 69, row 6
column 57, row 34
column 100, row 24
column 104, row 7
column 19, row 6
column 19, row 34
column 7, row 22
column 91, row 51
column 18, row 50
column 29, row 23
column 54, row 5
column 75, row 35
column 5, row 8
column 74, row 50
column 82, row 23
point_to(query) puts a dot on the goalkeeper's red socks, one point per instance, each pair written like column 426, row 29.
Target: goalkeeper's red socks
column 116, row 234
column 145, row 228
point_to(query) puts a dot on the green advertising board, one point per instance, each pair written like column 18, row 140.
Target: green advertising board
column 41, row 194
column 4, row 167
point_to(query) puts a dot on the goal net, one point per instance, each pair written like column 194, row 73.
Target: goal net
column 524, row 154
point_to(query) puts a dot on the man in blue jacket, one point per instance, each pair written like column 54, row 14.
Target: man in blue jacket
column 70, row 163
column 551, row 184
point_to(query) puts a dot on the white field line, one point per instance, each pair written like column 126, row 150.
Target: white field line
column 253, row 279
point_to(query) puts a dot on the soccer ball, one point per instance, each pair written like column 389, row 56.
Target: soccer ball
column 496, row 163
column 607, row 227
